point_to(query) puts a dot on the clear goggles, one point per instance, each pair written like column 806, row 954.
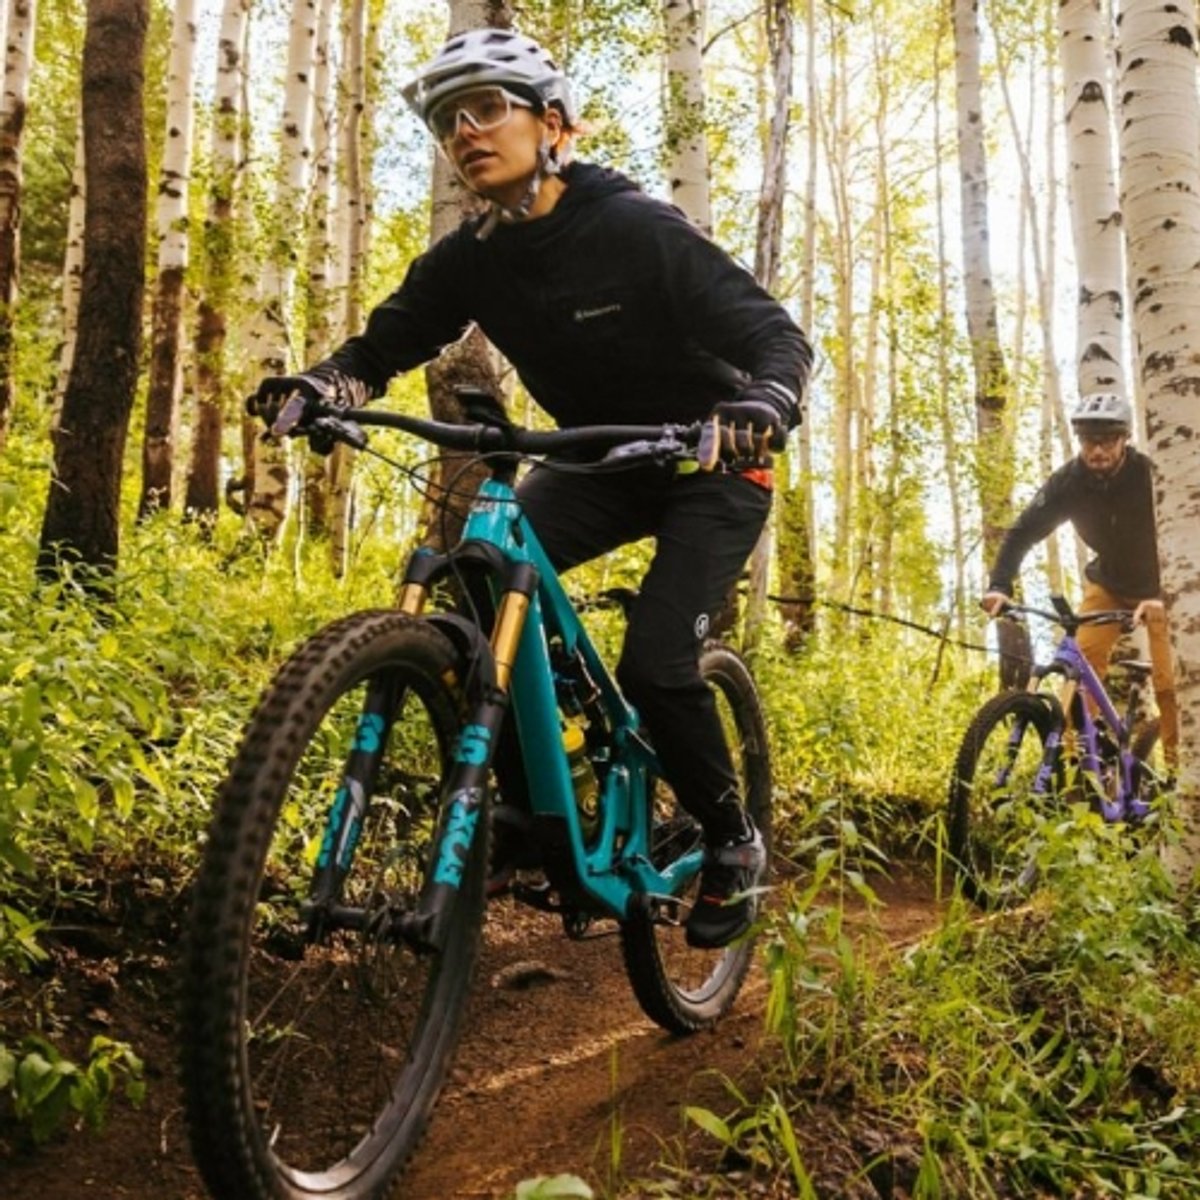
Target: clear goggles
column 482, row 108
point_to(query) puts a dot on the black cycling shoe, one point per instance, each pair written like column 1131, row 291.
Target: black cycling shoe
column 727, row 903
column 514, row 847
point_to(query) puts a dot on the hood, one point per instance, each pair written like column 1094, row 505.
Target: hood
column 587, row 181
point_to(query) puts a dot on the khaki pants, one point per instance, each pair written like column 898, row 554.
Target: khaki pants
column 1097, row 641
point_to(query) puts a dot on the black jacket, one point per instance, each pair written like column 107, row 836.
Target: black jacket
column 1113, row 516
column 612, row 308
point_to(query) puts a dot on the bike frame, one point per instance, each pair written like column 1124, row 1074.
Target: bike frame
column 610, row 871
column 1079, row 676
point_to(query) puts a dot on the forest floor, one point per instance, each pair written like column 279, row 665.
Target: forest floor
column 558, row 1070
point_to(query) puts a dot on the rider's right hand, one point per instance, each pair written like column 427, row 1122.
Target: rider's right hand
column 994, row 603
column 275, row 391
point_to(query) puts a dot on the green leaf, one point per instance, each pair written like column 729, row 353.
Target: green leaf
column 23, row 754
column 122, row 794
column 87, row 800
column 8, row 1066
column 31, row 706
column 710, row 1123
column 556, row 1187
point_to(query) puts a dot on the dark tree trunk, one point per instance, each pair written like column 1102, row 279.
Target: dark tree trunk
column 162, row 400
column 202, row 499
column 83, row 507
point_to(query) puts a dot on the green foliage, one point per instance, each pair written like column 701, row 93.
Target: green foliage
column 45, row 1088
column 864, row 722
column 116, row 720
column 553, row 1187
column 1050, row 1051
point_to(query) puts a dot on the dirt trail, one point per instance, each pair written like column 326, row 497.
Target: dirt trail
column 557, row 1064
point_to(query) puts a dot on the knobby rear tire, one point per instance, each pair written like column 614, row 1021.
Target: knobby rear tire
column 994, row 806
column 310, row 1066
column 680, row 988
column 1151, row 772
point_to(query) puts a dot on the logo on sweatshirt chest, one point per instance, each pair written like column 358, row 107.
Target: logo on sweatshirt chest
column 583, row 315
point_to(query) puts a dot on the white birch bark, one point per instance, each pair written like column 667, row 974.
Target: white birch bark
column 351, row 251
column 162, row 401
column 319, row 293
column 945, row 388
column 1160, row 203
column 1092, row 193
column 318, row 330
column 687, row 141
column 991, row 374
column 18, row 65
column 472, row 361
column 767, row 250
column 353, row 210
column 274, row 354
column 202, row 498
column 72, row 278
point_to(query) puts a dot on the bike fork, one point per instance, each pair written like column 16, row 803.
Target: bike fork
column 466, row 791
column 344, row 825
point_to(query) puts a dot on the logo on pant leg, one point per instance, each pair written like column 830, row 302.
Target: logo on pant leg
column 702, row 626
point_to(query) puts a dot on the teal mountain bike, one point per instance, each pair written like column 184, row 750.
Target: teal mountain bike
column 337, row 913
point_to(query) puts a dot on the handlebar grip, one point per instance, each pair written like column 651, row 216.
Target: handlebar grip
column 286, row 424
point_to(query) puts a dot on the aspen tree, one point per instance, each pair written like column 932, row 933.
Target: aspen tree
column 1160, row 204
column 18, row 63
column 162, row 401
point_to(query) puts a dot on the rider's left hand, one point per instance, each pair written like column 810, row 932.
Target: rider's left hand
column 1147, row 611
column 749, row 426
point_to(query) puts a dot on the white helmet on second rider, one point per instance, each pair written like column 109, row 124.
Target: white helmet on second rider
column 1102, row 411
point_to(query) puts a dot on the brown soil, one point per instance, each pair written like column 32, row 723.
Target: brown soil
column 558, row 1070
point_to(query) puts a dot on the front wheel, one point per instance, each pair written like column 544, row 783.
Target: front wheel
column 1002, row 788
column 681, row 988
column 314, row 1038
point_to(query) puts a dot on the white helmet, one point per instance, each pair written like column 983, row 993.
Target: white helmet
column 492, row 56
column 1102, row 410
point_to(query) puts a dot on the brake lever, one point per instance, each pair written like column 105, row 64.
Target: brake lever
column 338, row 429
column 322, row 431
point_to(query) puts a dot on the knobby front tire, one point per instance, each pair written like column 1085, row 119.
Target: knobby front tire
column 681, row 988
column 310, row 1063
column 996, row 802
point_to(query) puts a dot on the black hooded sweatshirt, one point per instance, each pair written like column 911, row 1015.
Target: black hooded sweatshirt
column 613, row 307
column 1114, row 516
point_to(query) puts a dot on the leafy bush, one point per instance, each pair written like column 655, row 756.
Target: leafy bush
column 117, row 719
column 44, row 1087
column 1047, row 1051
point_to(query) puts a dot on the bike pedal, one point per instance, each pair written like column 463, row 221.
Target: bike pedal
column 666, row 910
column 537, row 895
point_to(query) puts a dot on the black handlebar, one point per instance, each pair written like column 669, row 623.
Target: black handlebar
column 625, row 443
column 1066, row 616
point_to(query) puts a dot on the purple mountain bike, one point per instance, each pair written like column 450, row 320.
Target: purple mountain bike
column 1028, row 753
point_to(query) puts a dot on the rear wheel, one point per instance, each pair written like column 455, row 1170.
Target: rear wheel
column 681, row 988
column 315, row 1039
column 1000, row 792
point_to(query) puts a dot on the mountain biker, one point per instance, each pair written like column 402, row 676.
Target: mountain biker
column 1106, row 493
column 612, row 307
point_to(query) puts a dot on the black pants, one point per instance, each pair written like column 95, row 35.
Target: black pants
column 704, row 526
